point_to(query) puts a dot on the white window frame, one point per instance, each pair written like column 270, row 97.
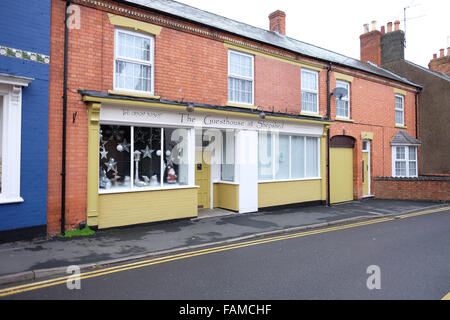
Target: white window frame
column 11, row 91
column 402, row 109
column 150, row 63
column 252, row 78
column 275, row 146
column 347, row 98
column 406, row 160
column 316, row 73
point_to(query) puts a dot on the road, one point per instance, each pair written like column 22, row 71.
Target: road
column 412, row 254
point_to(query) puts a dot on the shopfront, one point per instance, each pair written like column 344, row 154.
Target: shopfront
column 152, row 161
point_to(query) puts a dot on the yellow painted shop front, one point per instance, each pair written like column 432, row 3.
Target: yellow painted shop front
column 150, row 161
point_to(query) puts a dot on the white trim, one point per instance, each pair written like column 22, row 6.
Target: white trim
column 14, row 80
column 406, row 160
column 289, row 180
column 368, row 160
column 150, row 63
column 316, row 73
column 117, row 190
column 252, row 79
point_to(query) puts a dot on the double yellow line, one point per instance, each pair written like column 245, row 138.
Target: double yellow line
column 141, row 264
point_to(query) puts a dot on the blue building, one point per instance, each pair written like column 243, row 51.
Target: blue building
column 24, row 85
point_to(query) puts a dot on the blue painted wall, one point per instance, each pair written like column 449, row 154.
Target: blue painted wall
column 25, row 25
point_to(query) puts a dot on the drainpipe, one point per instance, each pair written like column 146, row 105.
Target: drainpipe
column 328, row 134
column 64, row 124
column 416, row 96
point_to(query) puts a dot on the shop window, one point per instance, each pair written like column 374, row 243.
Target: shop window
column 240, row 78
column 343, row 104
column 133, row 62
column 404, row 161
column 142, row 158
column 228, row 155
column 285, row 157
column 1, row 137
column 310, row 91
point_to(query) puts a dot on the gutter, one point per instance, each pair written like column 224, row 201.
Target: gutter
column 64, row 124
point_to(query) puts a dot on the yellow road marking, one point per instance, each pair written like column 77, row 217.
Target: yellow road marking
column 141, row 264
column 446, row 297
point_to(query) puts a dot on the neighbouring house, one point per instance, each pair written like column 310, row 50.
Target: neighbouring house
column 24, row 79
column 386, row 49
column 172, row 110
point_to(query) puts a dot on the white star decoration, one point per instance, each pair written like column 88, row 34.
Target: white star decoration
column 147, row 152
column 111, row 165
column 103, row 152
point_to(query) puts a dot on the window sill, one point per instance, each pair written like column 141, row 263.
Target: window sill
column 316, row 115
column 344, row 119
column 226, row 182
column 10, row 200
column 134, row 94
column 288, row 180
column 165, row 188
column 401, row 126
column 241, row 105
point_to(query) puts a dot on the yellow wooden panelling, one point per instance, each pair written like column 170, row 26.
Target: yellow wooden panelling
column 344, row 77
column 366, row 135
column 400, row 91
column 93, row 163
column 231, row 104
column 132, row 24
column 132, row 94
column 305, row 64
column 288, row 192
column 203, row 178
column 147, row 206
column 341, row 174
column 226, row 196
column 365, row 158
column 323, row 164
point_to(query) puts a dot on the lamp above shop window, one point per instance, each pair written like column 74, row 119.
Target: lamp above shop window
column 190, row 107
column 262, row 115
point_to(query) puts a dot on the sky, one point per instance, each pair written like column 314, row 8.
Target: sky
column 337, row 25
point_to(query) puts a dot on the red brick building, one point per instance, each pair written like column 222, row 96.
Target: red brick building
column 136, row 73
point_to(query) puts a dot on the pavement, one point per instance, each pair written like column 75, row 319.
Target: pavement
column 44, row 257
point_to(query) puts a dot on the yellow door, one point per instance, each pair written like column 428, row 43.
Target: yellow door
column 202, row 178
column 341, row 175
column 365, row 173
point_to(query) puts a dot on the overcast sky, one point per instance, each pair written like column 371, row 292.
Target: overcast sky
column 337, row 25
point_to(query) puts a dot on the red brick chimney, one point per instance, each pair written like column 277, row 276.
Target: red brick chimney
column 278, row 22
column 371, row 44
column 441, row 63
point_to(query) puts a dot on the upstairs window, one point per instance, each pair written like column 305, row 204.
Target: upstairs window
column 399, row 110
column 343, row 104
column 133, row 66
column 310, row 91
column 240, row 78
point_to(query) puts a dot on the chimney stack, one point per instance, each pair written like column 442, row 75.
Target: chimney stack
column 441, row 63
column 389, row 27
column 278, row 22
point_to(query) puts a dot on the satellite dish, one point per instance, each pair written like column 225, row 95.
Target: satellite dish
column 339, row 92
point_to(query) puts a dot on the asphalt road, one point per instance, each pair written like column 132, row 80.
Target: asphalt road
column 413, row 256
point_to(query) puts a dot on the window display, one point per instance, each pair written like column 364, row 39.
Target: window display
column 142, row 157
column 1, row 137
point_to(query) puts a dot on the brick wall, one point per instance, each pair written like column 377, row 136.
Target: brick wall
column 421, row 188
column 189, row 67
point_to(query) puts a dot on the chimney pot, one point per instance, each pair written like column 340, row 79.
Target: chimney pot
column 278, row 22
column 434, row 56
column 374, row 25
column 389, row 27
column 383, row 30
column 366, row 27
column 397, row 25
column 441, row 53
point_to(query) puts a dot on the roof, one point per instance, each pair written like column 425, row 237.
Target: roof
column 402, row 138
column 437, row 74
column 261, row 35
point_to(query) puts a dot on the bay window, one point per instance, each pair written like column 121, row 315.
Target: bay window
column 287, row 157
column 404, row 161
column 133, row 62
column 136, row 158
column 240, row 77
